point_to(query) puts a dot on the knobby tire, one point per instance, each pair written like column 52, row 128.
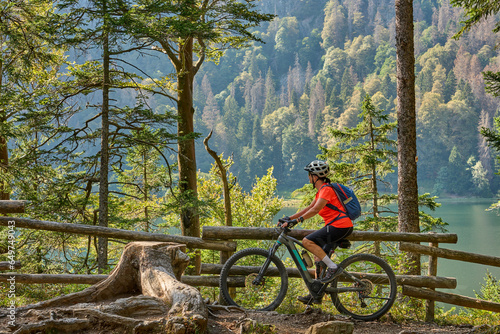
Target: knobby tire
column 380, row 288
column 265, row 296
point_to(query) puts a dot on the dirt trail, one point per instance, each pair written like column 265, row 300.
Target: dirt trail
column 225, row 323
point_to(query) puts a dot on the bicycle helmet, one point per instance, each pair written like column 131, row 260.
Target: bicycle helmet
column 318, row 167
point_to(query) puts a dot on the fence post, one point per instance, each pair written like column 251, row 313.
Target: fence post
column 430, row 304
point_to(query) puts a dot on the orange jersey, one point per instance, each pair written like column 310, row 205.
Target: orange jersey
column 327, row 193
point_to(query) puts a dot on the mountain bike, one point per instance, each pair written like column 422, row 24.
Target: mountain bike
column 256, row 279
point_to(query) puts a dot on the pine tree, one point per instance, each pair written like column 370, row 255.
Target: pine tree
column 493, row 138
column 334, row 30
column 142, row 185
column 272, row 102
column 28, row 76
column 346, row 86
column 211, row 112
column 257, row 96
column 190, row 32
column 449, row 86
column 316, row 106
column 363, row 157
column 407, row 137
column 121, row 126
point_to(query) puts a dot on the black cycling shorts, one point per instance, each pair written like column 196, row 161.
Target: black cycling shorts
column 327, row 235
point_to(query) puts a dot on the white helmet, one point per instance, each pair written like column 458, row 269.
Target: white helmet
column 318, row 167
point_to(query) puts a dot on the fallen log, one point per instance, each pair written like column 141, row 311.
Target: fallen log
column 152, row 269
column 261, row 233
column 418, row 281
column 108, row 232
column 7, row 265
column 450, row 254
column 450, row 298
column 11, row 206
column 414, row 280
column 213, row 280
column 52, row 278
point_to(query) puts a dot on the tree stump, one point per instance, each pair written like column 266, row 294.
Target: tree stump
column 150, row 269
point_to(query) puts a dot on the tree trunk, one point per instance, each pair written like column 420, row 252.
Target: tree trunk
column 407, row 137
column 376, row 244
column 146, row 190
column 190, row 221
column 186, row 155
column 152, row 269
column 4, row 152
column 228, row 217
column 102, row 251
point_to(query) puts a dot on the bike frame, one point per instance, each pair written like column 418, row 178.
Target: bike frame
column 290, row 242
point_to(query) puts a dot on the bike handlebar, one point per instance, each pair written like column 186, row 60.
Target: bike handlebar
column 290, row 223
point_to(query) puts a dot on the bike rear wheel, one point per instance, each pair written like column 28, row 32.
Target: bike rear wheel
column 251, row 291
column 372, row 291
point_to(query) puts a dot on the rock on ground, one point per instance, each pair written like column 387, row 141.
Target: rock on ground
column 331, row 327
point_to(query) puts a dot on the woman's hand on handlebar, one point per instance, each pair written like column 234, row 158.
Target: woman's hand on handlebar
column 287, row 222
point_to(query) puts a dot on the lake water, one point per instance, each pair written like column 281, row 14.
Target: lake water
column 478, row 232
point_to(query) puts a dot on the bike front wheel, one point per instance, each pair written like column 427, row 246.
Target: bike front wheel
column 367, row 289
column 241, row 285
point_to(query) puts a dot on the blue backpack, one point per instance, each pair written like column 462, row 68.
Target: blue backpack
column 352, row 208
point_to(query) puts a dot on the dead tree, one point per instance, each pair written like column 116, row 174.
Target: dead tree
column 143, row 294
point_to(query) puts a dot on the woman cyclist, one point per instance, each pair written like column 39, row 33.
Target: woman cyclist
column 337, row 224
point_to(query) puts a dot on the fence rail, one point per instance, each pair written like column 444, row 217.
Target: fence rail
column 450, row 298
column 193, row 242
column 262, row 233
column 214, row 270
column 7, row 206
column 450, row 254
column 7, row 265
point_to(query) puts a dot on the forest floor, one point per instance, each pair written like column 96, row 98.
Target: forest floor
column 223, row 322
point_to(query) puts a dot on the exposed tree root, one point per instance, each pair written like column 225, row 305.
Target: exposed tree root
column 150, row 272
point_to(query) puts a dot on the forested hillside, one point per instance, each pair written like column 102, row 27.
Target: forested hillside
column 272, row 104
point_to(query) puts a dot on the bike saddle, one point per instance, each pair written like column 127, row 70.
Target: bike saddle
column 330, row 248
column 344, row 243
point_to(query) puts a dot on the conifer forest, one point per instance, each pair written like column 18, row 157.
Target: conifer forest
column 278, row 100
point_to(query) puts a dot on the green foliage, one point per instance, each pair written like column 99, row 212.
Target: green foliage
column 142, row 186
column 362, row 157
column 475, row 11
column 492, row 82
column 255, row 208
column 493, row 138
column 335, row 26
column 489, row 291
column 449, row 90
column 216, row 27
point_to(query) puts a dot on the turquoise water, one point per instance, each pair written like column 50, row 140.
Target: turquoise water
column 478, row 232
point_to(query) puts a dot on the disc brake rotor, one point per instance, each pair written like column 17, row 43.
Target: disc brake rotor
column 250, row 285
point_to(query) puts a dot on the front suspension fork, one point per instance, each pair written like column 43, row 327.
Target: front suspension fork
column 260, row 276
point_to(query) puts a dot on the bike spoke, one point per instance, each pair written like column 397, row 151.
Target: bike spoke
column 249, row 287
column 368, row 288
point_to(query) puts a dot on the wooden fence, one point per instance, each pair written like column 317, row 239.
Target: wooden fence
column 220, row 239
